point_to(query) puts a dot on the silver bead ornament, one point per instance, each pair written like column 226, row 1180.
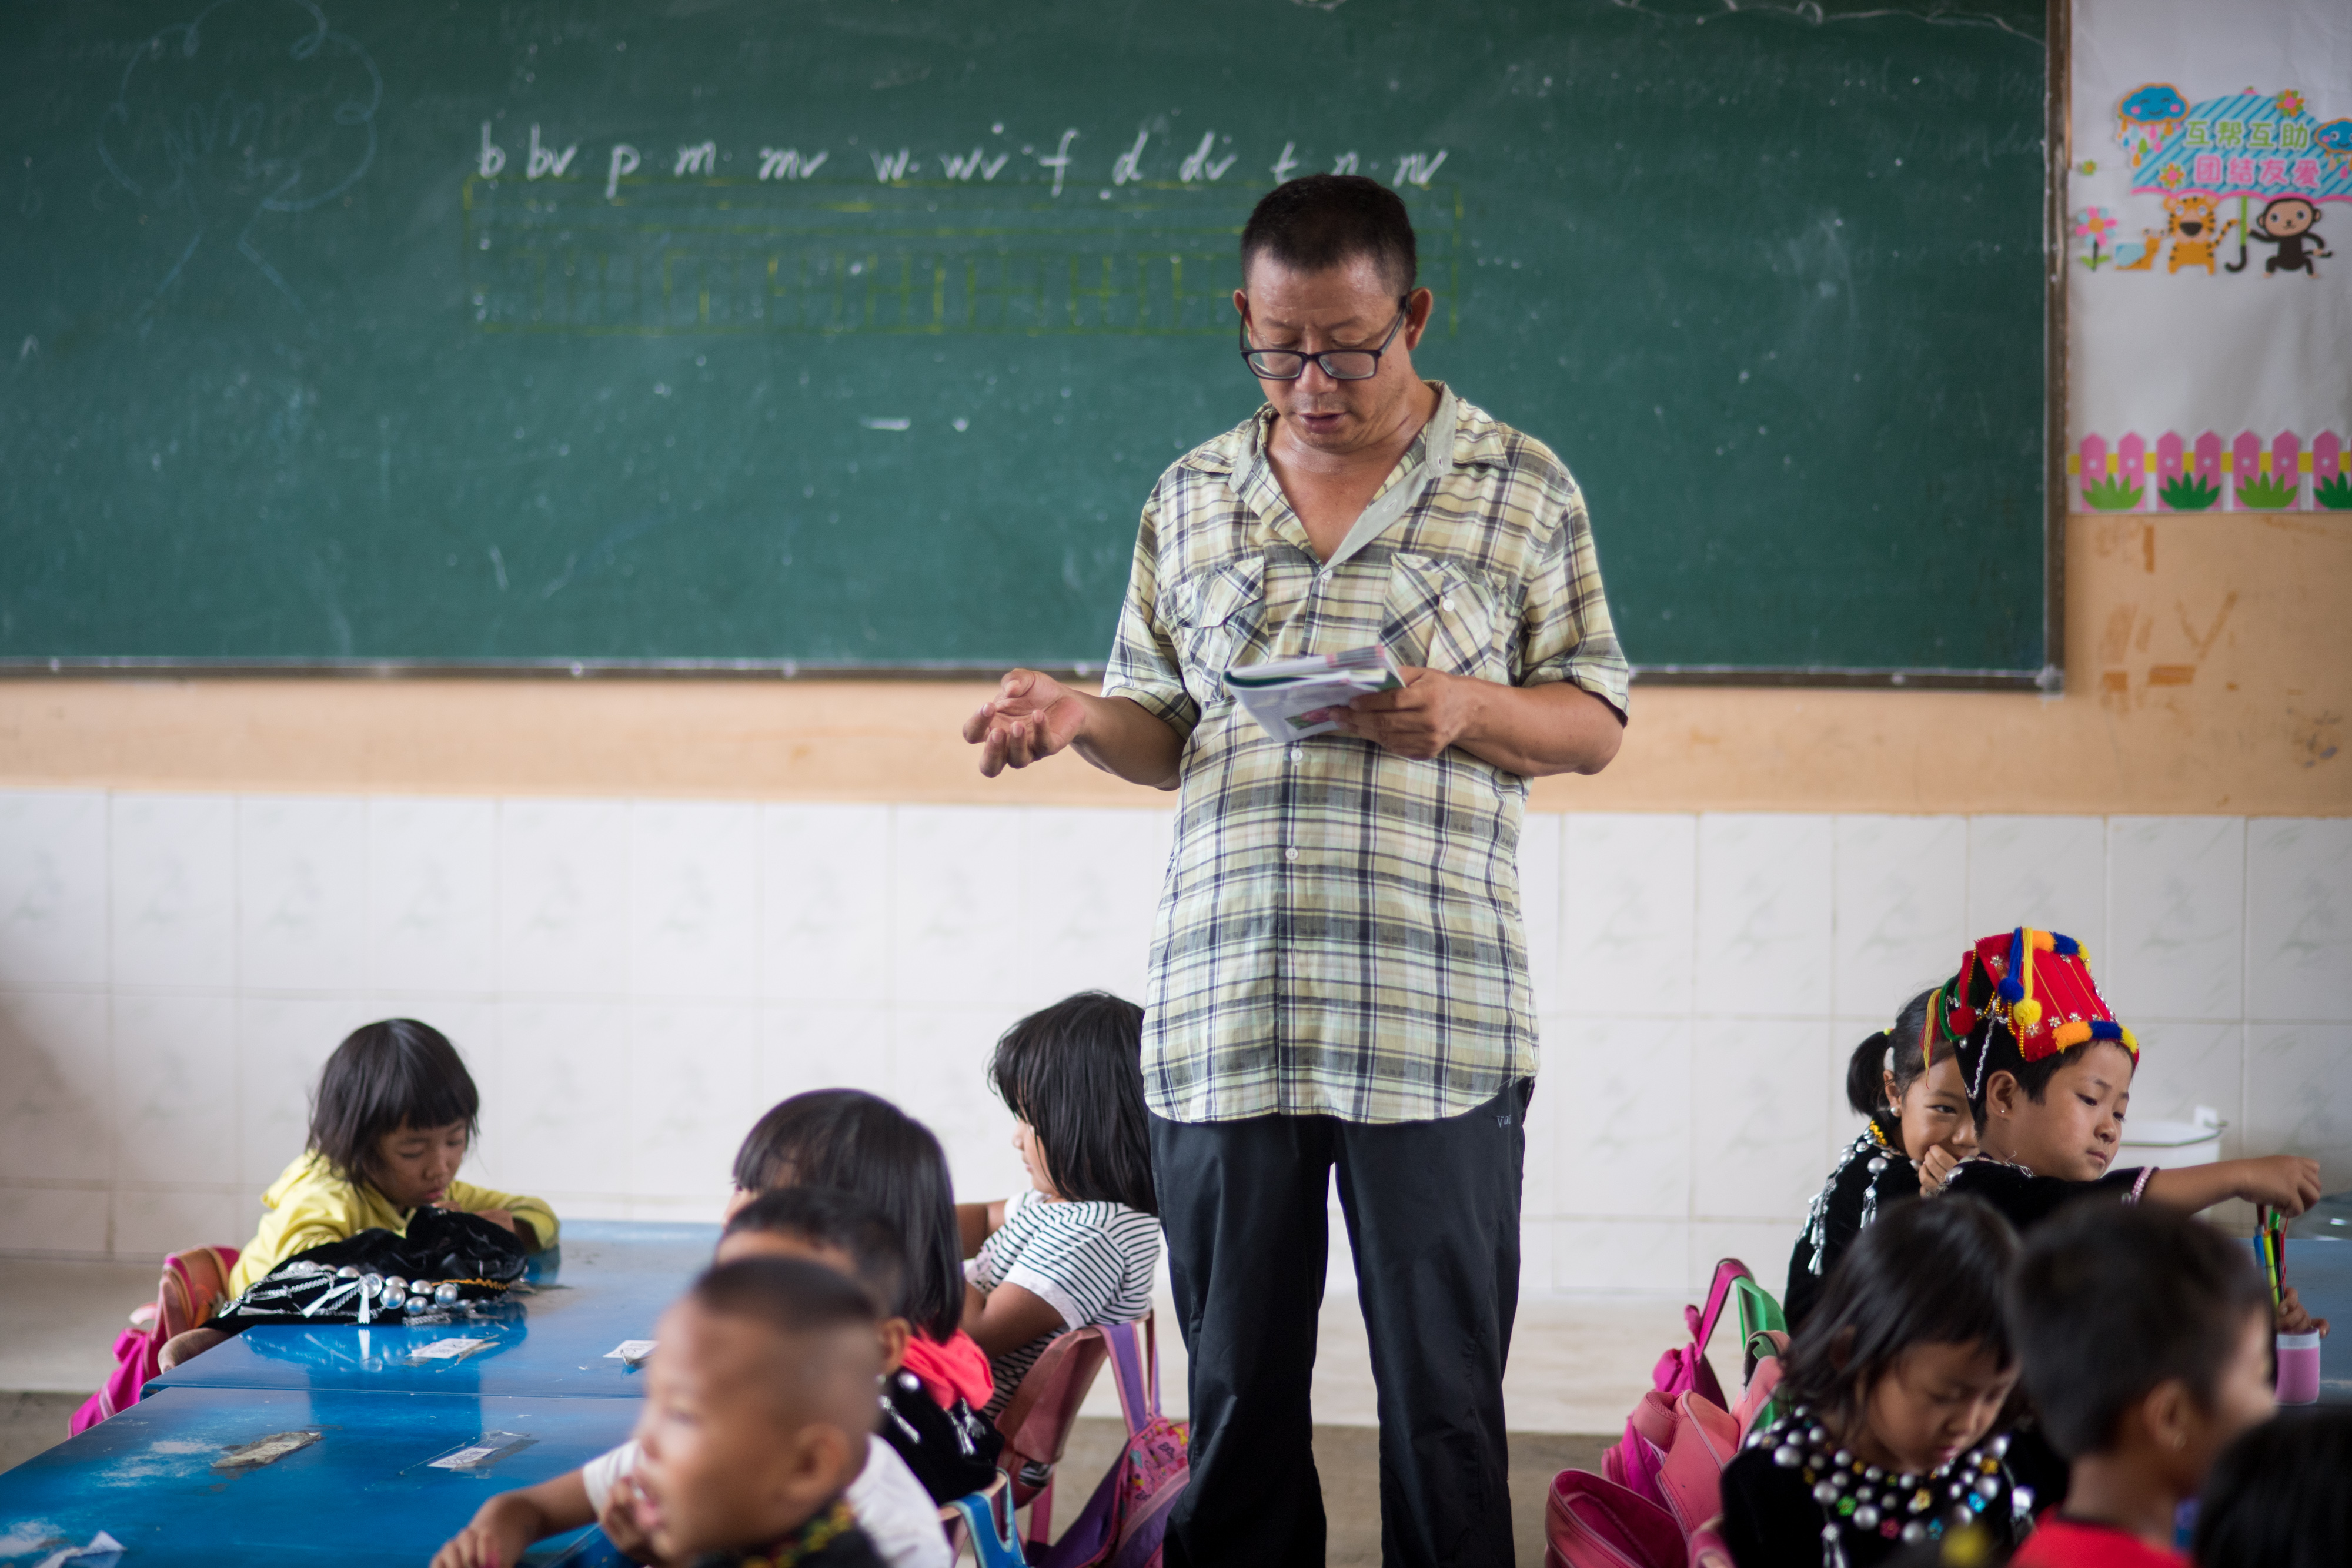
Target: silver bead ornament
column 1954, row 1488
column 1877, row 1165
column 1817, row 1436
column 1866, row 1517
column 1874, row 1474
column 393, row 1299
column 1906, row 1482
column 1915, row 1531
column 397, row 1281
column 1824, row 1493
column 1987, row 1487
column 445, row 1293
column 371, row 1285
column 1788, row 1456
column 348, row 1272
column 1999, row 1445
column 1842, row 1457
column 1829, row 1533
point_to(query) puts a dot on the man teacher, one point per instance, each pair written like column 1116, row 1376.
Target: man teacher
column 1338, row 976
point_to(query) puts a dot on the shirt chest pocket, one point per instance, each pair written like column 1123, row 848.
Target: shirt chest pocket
column 1220, row 614
column 1442, row 617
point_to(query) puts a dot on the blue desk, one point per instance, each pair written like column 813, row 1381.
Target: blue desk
column 2321, row 1273
column 609, row 1281
column 363, row 1493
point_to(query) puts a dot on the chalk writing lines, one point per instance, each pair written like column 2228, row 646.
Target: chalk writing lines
column 1207, row 161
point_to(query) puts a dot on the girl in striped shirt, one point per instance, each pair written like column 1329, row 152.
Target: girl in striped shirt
column 1082, row 1247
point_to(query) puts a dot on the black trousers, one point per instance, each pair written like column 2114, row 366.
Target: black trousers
column 1432, row 1214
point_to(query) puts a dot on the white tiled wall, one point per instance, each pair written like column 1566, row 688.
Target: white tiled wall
column 633, row 981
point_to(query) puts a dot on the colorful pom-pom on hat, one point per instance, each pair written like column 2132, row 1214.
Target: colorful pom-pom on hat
column 2042, row 993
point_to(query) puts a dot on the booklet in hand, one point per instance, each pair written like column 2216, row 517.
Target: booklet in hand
column 1294, row 698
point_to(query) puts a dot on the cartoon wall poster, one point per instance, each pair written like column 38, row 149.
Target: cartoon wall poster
column 2209, row 255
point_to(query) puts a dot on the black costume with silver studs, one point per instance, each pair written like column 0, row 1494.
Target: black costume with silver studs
column 1870, row 1173
column 1868, row 1514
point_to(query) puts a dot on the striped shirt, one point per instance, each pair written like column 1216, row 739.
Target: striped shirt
column 1338, row 932
column 1093, row 1262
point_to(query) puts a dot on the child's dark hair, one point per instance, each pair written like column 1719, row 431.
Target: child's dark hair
column 383, row 1077
column 2110, row 1300
column 1894, row 1051
column 790, row 1295
column 1074, row 1071
column 861, row 1142
column 1927, row 1274
column 2276, row 1497
column 828, row 1217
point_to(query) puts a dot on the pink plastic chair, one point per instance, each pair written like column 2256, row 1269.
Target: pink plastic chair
column 1036, row 1422
column 192, row 1288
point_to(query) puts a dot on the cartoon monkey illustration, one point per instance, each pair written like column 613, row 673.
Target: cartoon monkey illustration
column 2290, row 222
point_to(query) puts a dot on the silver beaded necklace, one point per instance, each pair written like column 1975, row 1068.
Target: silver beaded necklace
column 1865, row 1499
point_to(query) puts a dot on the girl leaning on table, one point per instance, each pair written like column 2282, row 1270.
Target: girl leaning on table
column 395, row 1114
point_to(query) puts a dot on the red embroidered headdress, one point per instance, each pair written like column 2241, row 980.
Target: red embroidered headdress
column 2036, row 985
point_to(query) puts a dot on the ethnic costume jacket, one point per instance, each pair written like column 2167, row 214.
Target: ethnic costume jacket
column 1870, row 1175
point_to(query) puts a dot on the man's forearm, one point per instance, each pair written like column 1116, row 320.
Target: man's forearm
column 1120, row 737
column 1535, row 731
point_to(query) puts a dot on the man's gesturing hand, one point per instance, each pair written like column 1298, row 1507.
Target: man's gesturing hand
column 1421, row 720
column 1031, row 717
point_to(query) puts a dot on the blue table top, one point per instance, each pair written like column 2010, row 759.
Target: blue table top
column 609, row 1281
column 365, row 1492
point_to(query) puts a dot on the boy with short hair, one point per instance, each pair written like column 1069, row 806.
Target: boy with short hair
column 821, row 1225
column 2146, row 1338
column 758, row 1405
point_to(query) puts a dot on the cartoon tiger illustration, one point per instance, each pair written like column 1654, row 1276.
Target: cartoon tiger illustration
column 2192, row 224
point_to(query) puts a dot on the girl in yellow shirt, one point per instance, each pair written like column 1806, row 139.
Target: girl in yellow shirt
column 388, row 1127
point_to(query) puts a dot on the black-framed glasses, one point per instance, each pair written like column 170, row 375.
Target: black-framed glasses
column 1339, row 364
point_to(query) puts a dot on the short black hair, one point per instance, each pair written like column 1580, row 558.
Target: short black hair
column 2108, row 1301
column 1318, row 221
column 1074, row 1071
column 1925, row 1273
column 829, row 1216
column 790, row 1295
column 1894, row 1051
column 385, row 1076
column 2276, row 1497
column 861, row 1142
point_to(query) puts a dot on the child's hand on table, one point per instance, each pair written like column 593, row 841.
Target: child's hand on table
column 2295, row 1318
column 501, row 1529
column 619, row 1522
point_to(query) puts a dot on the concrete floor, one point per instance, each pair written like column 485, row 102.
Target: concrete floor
column 1577, row 1366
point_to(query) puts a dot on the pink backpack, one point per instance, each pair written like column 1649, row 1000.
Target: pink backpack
column 193, row 1287
column 1639, row 1458
column 1124, row 1521
column 1664, row 1488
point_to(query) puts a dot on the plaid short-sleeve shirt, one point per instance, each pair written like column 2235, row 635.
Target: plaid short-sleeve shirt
column 1339, row 929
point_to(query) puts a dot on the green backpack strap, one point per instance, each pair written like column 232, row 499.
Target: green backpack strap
column 1757, row 1310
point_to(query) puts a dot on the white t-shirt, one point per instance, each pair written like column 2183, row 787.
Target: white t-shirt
column 1093, row 1262
column 897, row 1514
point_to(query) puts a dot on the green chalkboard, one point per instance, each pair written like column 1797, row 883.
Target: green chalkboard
column 813, row 333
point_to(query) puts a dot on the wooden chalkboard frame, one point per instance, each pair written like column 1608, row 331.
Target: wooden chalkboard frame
column 2049, row 680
